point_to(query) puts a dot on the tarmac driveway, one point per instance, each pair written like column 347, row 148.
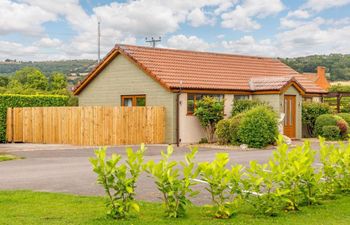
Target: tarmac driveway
column 64, row 168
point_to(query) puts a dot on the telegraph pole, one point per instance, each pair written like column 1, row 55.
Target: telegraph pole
column 98, row 41
column 153, row 41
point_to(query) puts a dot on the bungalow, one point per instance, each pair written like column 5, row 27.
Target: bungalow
column 177, row 79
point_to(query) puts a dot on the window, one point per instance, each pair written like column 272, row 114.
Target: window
column 133, row 100
column 241, row 97
column 192, row 98
column 307, row 99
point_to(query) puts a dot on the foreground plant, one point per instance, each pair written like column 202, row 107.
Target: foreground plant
column 223, row 184
column 175, row 187
column 296, row 174
column 261, row 189
column 335, row 167
column 119, row 181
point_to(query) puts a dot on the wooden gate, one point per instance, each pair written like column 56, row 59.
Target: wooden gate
column 92, row 125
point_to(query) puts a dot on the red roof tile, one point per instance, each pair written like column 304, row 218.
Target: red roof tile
column 202, row 70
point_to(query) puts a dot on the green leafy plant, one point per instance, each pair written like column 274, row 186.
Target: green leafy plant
column 222, row 131
column 119, row 181
column 261, row 189
column 176, row 188
column 223, row 184
column 310, row 112
column 243, row 105
column 258, row 127
column 345, row 116
column 335, row 167
column 329, row 121
column 296, row 175
column 227, row 130
column 209, row 111
column 331, row 132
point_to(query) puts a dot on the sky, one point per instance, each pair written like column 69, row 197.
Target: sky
column 39, row 30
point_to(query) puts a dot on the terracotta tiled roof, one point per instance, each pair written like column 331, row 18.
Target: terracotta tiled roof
column 318, row 78
column 270, row 83
column 202, row 70
column 310, row 76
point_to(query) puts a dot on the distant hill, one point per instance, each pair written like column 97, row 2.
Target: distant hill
column 338, row 65
column 73, row 69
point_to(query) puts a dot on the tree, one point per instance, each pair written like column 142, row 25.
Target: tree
column 58, row 81
column 31, row 78
column 4, row 81
column 209, row 111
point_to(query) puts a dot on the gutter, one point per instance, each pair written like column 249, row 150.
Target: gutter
column 178, row 140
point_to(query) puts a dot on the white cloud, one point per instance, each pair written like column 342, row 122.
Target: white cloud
column 15, row 50
column 188, row 43
column 249, row 46
column 48, row 42
column 299, row 13
column 319, row 5
column 197, row 18
column 22, row 18
column 243, row 16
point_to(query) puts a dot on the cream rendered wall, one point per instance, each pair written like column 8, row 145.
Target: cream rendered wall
column 121, row 77
column 190, row 129
column 273, row 100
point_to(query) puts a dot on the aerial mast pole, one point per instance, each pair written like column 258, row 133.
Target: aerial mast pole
column 153, row 41
column 98, row 41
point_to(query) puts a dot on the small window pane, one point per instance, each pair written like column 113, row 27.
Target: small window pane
column 190, row 103
column 140, row 101
column 127, row 102
column 285, row 112
column 241, row 97
column 290, row 112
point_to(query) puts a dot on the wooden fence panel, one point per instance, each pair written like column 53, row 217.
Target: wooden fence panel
column 95, row 125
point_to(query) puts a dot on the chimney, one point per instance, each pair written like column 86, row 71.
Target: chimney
column 321, row 78
column 321, row 72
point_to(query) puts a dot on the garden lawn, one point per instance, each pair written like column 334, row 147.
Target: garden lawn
column 26, row 207
column 6, row 157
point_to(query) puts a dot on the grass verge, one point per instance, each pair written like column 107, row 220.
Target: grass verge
column 26, row 207
column 6, row 157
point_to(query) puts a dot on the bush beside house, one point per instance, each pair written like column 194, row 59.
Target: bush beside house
column 259, row 127
column 240, row 106
column 310, row 112
column 13, row 100
column 256, row 127
column 209, row 112
column 331, row 127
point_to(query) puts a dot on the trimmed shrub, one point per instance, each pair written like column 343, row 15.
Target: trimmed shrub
column 331, row 120
column 12, row 100
column 331, row 132
column 227, row 130
column 222, row 131
column 234, row 128
column 310, row 112
column 345, row 116
column 258, row 127
column 324, row 120
column 244, row 105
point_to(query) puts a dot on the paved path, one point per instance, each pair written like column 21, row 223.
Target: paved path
column 65, row 168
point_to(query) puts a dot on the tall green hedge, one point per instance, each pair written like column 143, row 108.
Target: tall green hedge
column 12, row 100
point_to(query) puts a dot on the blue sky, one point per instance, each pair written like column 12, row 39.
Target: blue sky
column 67, row 29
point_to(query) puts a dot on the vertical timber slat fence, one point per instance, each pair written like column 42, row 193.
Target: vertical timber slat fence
column 91, row 125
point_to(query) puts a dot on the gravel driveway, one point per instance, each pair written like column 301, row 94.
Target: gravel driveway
column 64, row 168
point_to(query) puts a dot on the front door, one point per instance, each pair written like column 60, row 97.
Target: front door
column 290, row 116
